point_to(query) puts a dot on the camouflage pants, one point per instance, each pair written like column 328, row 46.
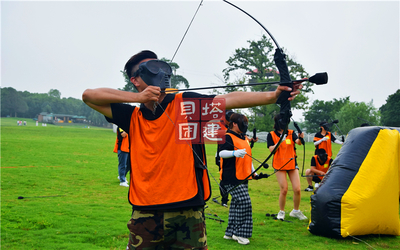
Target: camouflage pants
column 184, row 229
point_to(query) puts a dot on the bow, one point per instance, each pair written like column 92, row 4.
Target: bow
column 285, row 80
column 285, row 106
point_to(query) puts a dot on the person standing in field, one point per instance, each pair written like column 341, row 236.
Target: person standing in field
column 285, row 164
column 169, row 181
column 122, row 148
column 236, row 166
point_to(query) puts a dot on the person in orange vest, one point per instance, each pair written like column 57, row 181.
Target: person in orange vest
column 285, row 163
column 324, row 138
column 236, row 165
column 169, row 182
column 122, row 148
column 320, row 164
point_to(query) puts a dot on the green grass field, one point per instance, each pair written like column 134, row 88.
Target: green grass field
column 68, row 175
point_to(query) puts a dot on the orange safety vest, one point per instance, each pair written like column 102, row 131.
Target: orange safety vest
column 327, row 145
column 322, row 167
column 242, row 165
column 163, row 172
column 116, row 146
column 284, row 152
column 124, row 144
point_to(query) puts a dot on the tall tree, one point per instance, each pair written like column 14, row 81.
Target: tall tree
column 12, row 102
column 390, row 111
column 54, row 93
column 353, row 114
column 255, row 64
column 322, row 111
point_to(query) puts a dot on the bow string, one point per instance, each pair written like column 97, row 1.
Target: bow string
column 302, row 142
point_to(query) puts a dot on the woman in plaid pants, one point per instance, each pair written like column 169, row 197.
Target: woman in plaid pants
column 236, row 165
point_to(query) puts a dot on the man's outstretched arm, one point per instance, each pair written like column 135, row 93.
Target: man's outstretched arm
column 251, row 99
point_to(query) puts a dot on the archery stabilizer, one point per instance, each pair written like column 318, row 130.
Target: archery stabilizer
column 319, row 79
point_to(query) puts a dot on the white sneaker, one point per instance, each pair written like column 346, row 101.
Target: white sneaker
column 298, row 215
column 125, row 179
column 124, row 184
column 316, row 185
column 309, row 189
column 281, row 215
column 226, row 237
column 241, row 240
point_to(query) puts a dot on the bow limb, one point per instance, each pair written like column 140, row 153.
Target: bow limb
column 270, row 35
column 280, row 62
column 285, row 106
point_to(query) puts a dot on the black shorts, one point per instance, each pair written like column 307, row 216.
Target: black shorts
column 316, row 179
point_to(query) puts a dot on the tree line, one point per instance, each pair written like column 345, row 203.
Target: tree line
column 247, row 65
column 29, row 105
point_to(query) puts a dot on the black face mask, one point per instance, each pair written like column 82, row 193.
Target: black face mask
column 323, row 158
column 243, row 125
column 155, row 73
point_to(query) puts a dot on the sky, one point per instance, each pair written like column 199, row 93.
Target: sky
column 75, row 45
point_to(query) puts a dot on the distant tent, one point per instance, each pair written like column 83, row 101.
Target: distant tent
column 360, row 193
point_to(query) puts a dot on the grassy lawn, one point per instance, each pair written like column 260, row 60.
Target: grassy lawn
column 68, row 176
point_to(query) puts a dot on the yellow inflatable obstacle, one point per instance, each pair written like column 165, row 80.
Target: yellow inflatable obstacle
column 360, row 193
